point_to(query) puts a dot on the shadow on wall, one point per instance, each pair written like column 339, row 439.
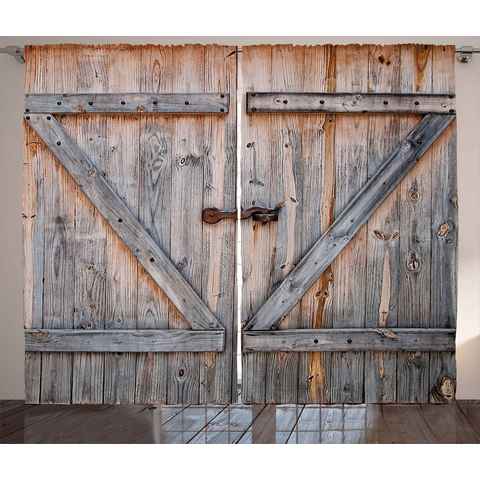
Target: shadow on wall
column 468, row 353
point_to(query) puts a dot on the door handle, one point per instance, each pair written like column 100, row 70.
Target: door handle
column 258, row 214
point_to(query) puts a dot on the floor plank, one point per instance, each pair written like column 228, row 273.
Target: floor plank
column 448, row 424
column 471, row 410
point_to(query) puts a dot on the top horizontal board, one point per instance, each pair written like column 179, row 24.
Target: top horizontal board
column 272, row 102
column 128, row 103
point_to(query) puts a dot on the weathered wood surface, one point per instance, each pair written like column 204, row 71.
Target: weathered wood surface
column 444, row 235
column 33, row 238
column 128, row 103
column 218, row 372
column 314, row 377
column 255, row 70
column 382, row 268
column 415, row 236
column 287, row 179
column 169, row 340
column 382, row 102
column 59, row 231
column 91, row 262
column 142, row 158
column 350, row 340
column 91, row 181
column 351, row 219
column 333, row 158
column 347, row 308
column 155, row 187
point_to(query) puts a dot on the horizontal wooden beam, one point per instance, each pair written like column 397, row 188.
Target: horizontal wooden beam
column 124, row 340
column 351, row 340
column 128, row 103
column 106, row 200
column 349, row 103
column 348, row 222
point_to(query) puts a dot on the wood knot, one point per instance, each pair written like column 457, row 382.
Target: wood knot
column 40, row 334
column 413, row 262
column 443, row 230
column 444, row 390
column 386, row 237
column 385, row 333
column 415, row 359
column 413, row 193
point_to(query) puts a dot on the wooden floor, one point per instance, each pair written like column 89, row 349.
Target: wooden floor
column 455, row 423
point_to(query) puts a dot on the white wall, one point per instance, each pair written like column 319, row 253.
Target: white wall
column 11, row 142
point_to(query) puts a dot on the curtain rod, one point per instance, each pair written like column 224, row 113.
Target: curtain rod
column 464, row 54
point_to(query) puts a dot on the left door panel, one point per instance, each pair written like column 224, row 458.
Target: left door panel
column 79, row 274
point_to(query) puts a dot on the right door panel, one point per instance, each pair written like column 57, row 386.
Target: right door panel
column 399, row 271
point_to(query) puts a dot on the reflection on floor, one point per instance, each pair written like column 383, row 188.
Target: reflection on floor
column 455, row 423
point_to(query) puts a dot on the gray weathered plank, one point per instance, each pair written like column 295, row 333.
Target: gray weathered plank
column 33, row 244
column 76, row 340
column 444, row 233
column 347, row 308
column 127, row 103
column 218, row 370
column 350, row 340
column 154, row 202
column 286, row 164
column 318, row 198
column 90, row 234
column 186, row 228
column 255, row 64
column 59, row 241
column 327, row 102
column 415, row 205
column 382, row 230
column 123, row 222
column 356, row 213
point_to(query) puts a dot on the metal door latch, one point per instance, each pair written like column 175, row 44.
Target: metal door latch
column 258, row 214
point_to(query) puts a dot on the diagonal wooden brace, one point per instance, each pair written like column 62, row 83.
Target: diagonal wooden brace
column 346, row 225
column 127, row 226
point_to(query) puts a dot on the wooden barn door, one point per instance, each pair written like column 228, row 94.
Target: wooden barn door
column 366, row 185
column 129, row 296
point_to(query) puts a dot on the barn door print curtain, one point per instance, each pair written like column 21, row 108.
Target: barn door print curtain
column 101, row 271
column 397, row 272
column 348, row 264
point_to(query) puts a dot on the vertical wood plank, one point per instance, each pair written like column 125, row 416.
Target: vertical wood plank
column 349, row 269
column 382, row 230
column 90, row 232
column 217, row 370
column 59, row 284
column 443, row 233
column 33, row 233
column 186, row 225
column 317, row 215
column 155, row 206
column 286, row 164
column 121, row 168
column 415, row 235
column 255, row 71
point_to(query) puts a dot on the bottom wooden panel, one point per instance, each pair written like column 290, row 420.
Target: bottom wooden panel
column 351, row 340
column 173, row 340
